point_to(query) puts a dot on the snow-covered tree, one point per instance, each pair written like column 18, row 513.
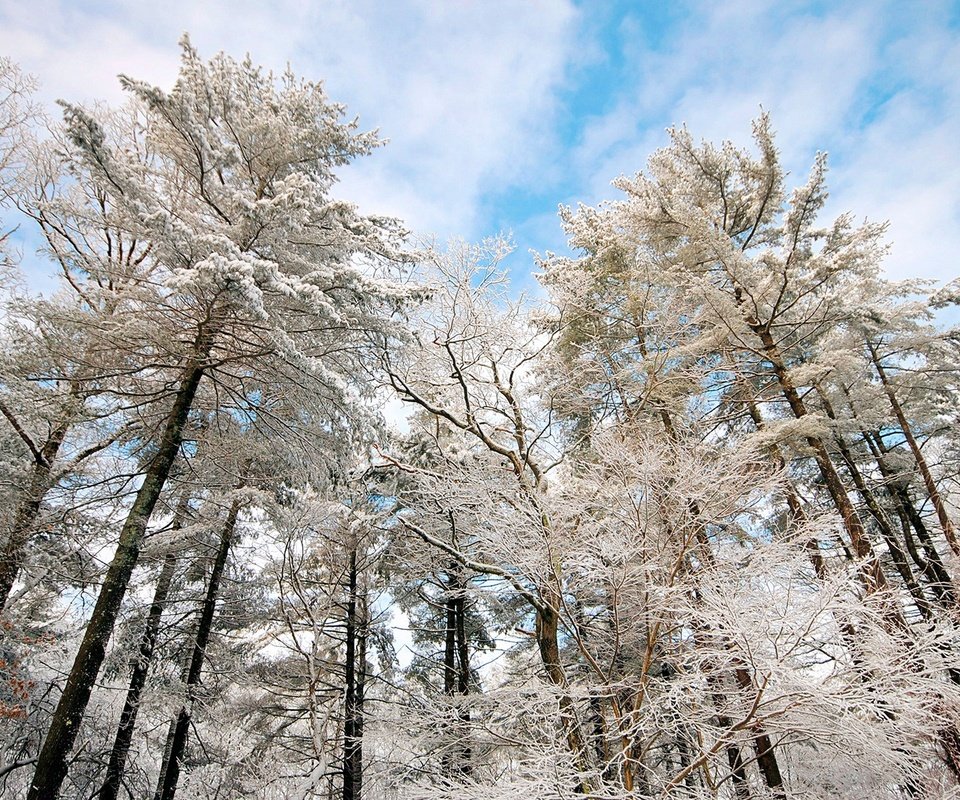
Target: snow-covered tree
column 241, row 270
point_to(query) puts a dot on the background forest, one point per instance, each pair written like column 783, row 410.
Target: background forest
column 298, row 504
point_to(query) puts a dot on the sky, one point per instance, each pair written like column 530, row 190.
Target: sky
column 496, row 111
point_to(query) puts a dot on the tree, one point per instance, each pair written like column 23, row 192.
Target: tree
column 709, row 291
column 684, row 529
column 250, row 263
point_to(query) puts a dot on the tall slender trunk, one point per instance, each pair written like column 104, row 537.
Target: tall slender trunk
column 949, row 531
column 546, row 631
column 361, row 681
column 27, row 512
column 52, row 761
column 179, row 728
column 738, row 767
column 354, row 674
column 764, row 747
column 456, row 668
column 141, row 667
column 879, row 514
column 871, row 572
column 463, row 679
column 450, row 645
column 930, row 563
column 766, row 756
column 933, row 566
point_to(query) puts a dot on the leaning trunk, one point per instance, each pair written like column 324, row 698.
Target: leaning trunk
column 879, row 514
column 27, row 513
column 138, row 676
column 929, row 483
column 52, row 761
column 871, row 572
column 177, row 735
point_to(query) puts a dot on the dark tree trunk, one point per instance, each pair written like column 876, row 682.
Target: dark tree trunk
column 141, row 667
column 353, row 689
column 463, row 678
column 871, row 572
column 930, row 563
column 456, row 672
column 52, row 761
column 738, row 767
column 766, row 758
column 27, row 512
column 179, row 728
column 361, row 680
column 547, row 633
column 880, row 516
column 450, row 646
column 931, row 486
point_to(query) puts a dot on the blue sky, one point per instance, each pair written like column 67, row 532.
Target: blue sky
column 498, row 111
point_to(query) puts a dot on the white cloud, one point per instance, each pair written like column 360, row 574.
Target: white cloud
column 821, row 77
column 469, row 94
column 465, row 92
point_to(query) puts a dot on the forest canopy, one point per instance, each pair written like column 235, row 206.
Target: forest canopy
column 299, row 503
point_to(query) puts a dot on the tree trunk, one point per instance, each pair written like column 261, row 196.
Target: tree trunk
column 27, row 513
column 872, row 574
column 179, row 728
column 52, row 761
column 141, row 666
column 930, row 563
column 934, row 493
column 463, row 678
column 450, row 645
column 766, row 758
column 879, row 514
column 738, row 768
column 353, row 689
column 546, row 630
column 456, row 677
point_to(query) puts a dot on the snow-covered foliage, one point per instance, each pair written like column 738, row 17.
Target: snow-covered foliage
column 686, row 529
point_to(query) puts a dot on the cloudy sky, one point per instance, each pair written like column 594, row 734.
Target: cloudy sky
column 497, row 111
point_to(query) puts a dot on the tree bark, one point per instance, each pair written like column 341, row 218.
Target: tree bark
column 879, row 514
column 27, row 513
column 353, row 689
column 141, row 667
column 463, row 679
column 931, row 562
column 872, row 574
column 52, row 762
column 546, row 630
column 766, row 758
column 931, row 486
column 179, row 728
column 738, row 767
column 456, row 667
